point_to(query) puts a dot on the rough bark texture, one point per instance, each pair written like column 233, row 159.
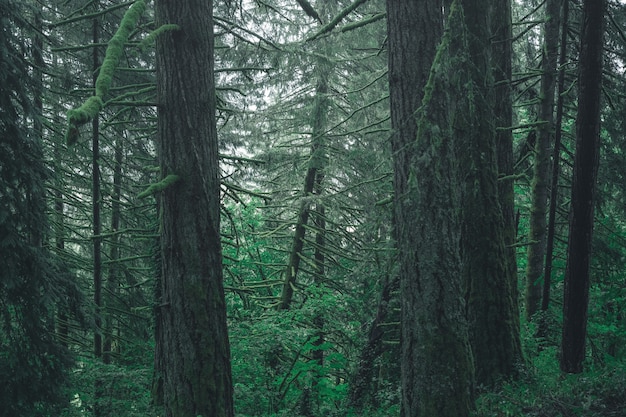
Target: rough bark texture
column 541, row 168
column 492, row 307
column 586, row 162
column 436, row 357
column 196, row 359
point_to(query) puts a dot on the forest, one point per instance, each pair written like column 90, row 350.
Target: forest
column 312, row 208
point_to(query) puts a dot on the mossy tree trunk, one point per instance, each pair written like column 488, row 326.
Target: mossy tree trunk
column 195, row 348
column 437, row 368
column 586, row 161
column 490, row 290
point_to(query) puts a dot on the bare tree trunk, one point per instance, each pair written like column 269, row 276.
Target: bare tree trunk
column 541, row 168
column 556, row 165
column 195, row 348
column 114, row 251
column 96, row 223
column 586, row 161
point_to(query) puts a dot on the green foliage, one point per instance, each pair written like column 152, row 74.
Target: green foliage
column 545, row 391
column 159, row 186
column 116, row 47
column 157, row 32
column 126, row 388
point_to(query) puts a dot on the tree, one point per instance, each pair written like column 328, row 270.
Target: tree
column 33, row 363
column 487, row 267
column 195, row 347
column 586, row 161
column 542, row 152
column 427, row 206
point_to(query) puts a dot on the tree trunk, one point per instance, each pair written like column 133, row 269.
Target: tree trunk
column 312, row 181
column 360, row 387
column 492, row 308
column 196, row 355
column 541, row 168
column 97, row 223
column 114, row 251
column 554, row 185
column 586, row 160
column 427, row 206
column 502, row 51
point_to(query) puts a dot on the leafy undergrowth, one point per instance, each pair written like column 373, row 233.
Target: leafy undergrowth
column 546, row 392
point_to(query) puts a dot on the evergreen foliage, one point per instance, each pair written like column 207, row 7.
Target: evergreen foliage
column 33, row 363
column 340, row 337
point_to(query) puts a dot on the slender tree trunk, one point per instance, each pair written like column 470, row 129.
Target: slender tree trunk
column 427, row 223
column 492, row 308
column 360, row 387
column 541, row 168
column 312, row 180
column 96, row 223
column 586, row 161
column 556, row 165
column 114, row 253
column 196, row 354
column 502, row 53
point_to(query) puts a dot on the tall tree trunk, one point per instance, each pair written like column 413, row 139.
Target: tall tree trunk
column 586, row 160
column 95, row 206
column 312, row 181
column 360, row 387
column 556, row 164
column 196, row 354
column 492, row 308
column 502, row 51
column 114, row 251
column 427, row 206
column 541, row 168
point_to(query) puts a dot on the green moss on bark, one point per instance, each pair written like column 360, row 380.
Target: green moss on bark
column 83, row 114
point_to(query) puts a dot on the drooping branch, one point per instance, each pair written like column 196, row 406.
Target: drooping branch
column 159, row 186
column 81, row 115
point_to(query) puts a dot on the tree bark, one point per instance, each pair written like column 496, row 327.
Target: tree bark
column 492, row 305
column 586, row 161
column 196, row 355
column 436, row 363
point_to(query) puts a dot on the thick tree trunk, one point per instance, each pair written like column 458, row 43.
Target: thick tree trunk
column 427, row 223
column 541, row 168
column 492, row 306
column 196, row 355
column 586, row 160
